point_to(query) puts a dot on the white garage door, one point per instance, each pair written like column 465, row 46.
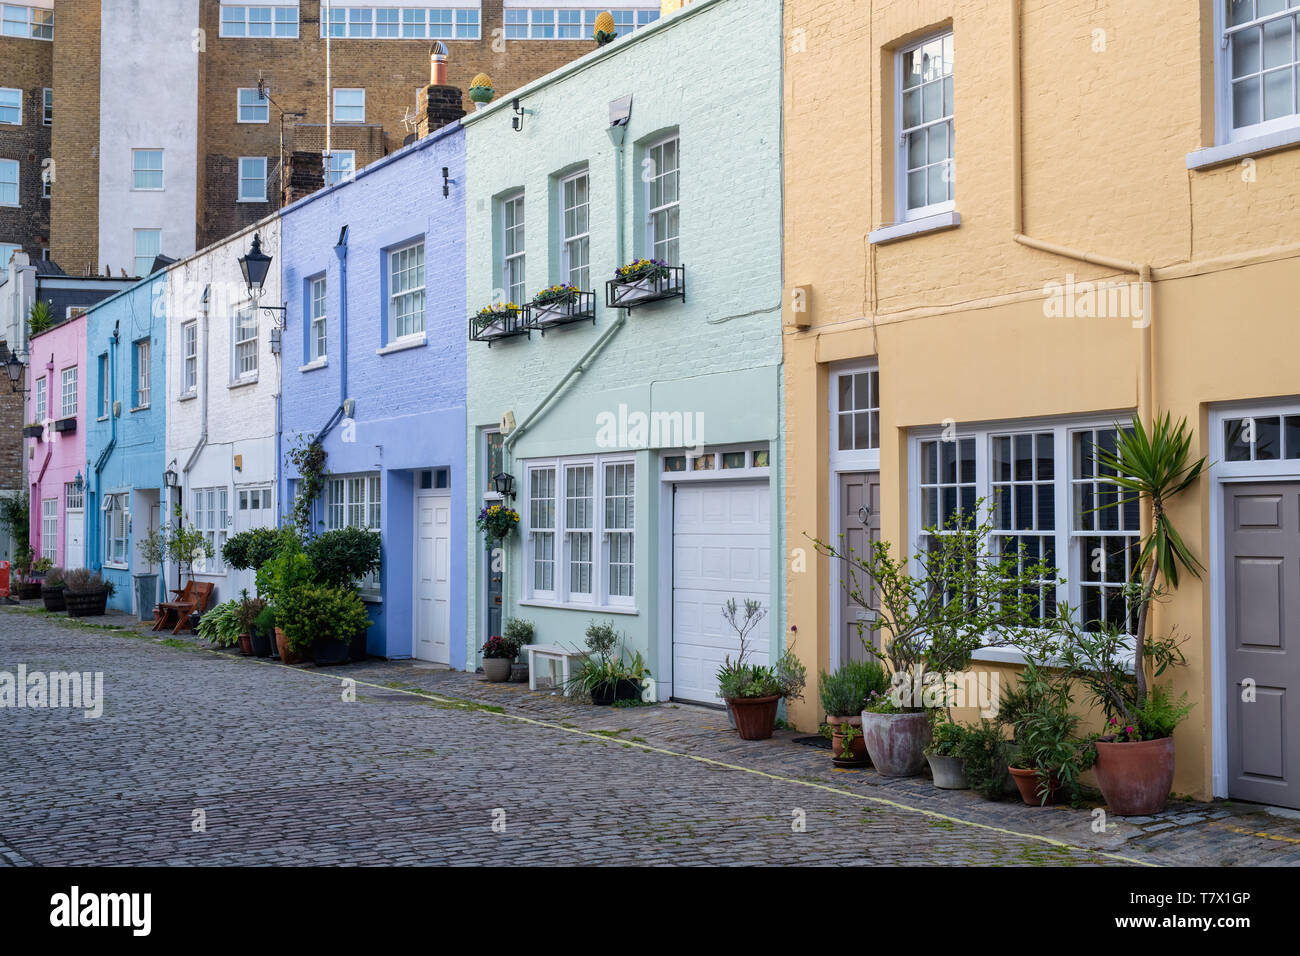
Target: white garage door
column 721, row 550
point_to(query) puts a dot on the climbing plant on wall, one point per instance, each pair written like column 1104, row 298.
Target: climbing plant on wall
column 307, row 457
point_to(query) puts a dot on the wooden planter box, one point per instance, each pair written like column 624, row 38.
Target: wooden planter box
column 66, row 425
column 86, row 603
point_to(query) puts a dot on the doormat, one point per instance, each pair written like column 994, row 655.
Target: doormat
column 820, row 742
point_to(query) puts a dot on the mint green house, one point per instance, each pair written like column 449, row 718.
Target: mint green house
column 640, row 421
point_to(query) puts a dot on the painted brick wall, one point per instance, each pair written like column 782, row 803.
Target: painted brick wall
column 59, row 456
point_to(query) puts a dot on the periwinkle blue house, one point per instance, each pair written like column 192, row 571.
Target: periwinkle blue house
column 374, row 367
column 124, row 418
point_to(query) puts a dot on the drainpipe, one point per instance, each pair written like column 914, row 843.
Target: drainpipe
column 341, row 250
column 203, row 388
column 92, row 532
column 1144, row 272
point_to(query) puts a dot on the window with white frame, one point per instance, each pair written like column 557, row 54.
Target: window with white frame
column 9, row 186
column 143, row 351
column 339, row 165
column 349, row 105
column 439, row 23
column 316, row 327
column 857, row 415
column 925, row 127
column 104, row 386
column 148, row 246
column 1047, row 498
column 244, row 356
column 41, row 409
column 11, row 106
column 256, row 509
column 550, row 23
column 212, row 519
column 73, row 496
column 189, row 358
column 116, row 530
column 42, row 23
column 1259, row 66
column 147, row 169
column 69, row 392
column 1261, row 438
column 663, row 202
column 354, row 501
column 253, row 107
column 580, row 532
column 575, row 252
column 259, row 21
column 512, row 248
column 252, row 179
column 406, row 290
column 50, row 529
column 22, row 21
column 47, row 107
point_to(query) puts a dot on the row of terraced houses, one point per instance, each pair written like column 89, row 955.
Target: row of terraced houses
column 864, row 328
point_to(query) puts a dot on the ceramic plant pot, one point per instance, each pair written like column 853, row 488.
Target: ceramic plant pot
column 497, row 669
column 848, row 746
column 755, row 717
column 896, row 742
column 1027, row 782
column 949, row 772
column 1135, row 778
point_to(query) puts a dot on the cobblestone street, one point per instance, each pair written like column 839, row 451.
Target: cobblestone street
column 417, row 770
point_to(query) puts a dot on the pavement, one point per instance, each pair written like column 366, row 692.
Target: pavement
column 203, row 757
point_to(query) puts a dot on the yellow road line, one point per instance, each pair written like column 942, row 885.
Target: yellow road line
column 1255, row 833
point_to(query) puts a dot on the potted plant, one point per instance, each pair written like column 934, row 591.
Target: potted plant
column 497, row 655
column 944, row 754
column 321, row 618
column 556, row 304
column 290, row 571
column 606, row 675
column 843, row 695
column 643, row 280
column 495, row 321
column 958, row 599
column 221, row 624
column 753, row 692
column 344, row 557
column 52, row 590
column 263, row 633
column 250, row 609
column 34, row 430
column 497, row 521
column 1049, row 757
column 982, row 750
column 85, row 593
column 1135, row 759
column 519, row 634
column 27, row 586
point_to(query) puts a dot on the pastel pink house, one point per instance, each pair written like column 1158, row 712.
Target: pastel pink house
column 56, row 464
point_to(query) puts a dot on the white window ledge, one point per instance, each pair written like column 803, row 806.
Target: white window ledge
column 915, row 227
column 1232, row 152
column 116, row 567
column 140, row 408
column 187, row 397
column 313, row 365
column 405, row 342
column 240, row 383
column 589, row 608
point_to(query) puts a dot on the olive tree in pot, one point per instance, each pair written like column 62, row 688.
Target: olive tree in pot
column 753, row 692
column 844, row 694
column 961, row 597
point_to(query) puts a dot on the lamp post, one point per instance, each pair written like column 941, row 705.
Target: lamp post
column 505, row 484
column 14, row 367
column 255, row 264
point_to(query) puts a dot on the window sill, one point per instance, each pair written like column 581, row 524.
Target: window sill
column 590, row 608
column 313, row 365
column 915, row 227
column 243, row 382
column 252, row 200
column 1212, row 156
column 371, row 598
column 406, row 342
column 140, row 408
column 102, row 418
column 115, row 567
column 1013, row 655
column 187, row 397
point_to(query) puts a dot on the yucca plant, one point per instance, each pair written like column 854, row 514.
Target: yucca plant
column 1156, row 466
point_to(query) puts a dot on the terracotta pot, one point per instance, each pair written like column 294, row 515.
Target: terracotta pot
column 1027, row 783
column 1135, row 778
column 755, row 716
column 287, row 656
column 246, row 645
column 896, row 742
column 497, row 669
column 856, row 755
column 949, row 773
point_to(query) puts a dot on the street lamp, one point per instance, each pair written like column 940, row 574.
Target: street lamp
column 255, row 264
column 505, row 485
column 15, row 367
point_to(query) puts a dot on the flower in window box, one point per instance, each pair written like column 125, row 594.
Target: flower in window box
column 497, row 521
column 645, row 279
column 555, row 303
column 496, row 319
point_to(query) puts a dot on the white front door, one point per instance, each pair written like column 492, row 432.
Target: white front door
column 432, row 639
column 74, row 539
column 721, row 550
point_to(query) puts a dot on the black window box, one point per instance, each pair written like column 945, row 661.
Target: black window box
column 630, row 293
column 504, row 325
column 33, row 431
column 65, row 425
column 581, row 309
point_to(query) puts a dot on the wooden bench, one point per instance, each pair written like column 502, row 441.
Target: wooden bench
column 554, row 656
column 193, row 597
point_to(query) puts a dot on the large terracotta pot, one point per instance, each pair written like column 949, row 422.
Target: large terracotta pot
column 848, row 748
column 496, row 669
column 1135, row 778
column 1027, row 783
column 287, row 656
column 949, row 773
column 896, row 742
column 246, row 645
column 755, row 716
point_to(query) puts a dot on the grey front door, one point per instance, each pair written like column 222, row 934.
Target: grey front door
column 859, row 523
column 1262, row 582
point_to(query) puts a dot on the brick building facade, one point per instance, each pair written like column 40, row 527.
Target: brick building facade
column 26, row 72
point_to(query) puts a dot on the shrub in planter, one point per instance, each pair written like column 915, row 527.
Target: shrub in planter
column 221, row 625
column 86, row 593
column 344, row 556
column 250, row 609
column 498, row 654
column 1050, row 757
column 52, row 590
column 983, row 751
column 843, row 695
column 263, row 634
column 753, row 692
column 318, row 614
column 944, row 755
column 608, row 674
column 249, row 550
column 519, row 634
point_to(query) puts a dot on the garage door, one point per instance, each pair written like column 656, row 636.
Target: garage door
column 721, row 550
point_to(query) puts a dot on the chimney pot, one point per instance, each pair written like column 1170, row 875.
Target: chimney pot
column 438, row 64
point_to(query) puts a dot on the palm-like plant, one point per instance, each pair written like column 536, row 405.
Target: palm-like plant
column 1157, row 466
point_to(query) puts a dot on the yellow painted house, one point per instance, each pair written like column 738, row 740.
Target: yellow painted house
column 1011, row 225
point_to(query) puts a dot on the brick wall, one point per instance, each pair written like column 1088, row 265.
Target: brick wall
column 27, row 65
column 74, row 213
